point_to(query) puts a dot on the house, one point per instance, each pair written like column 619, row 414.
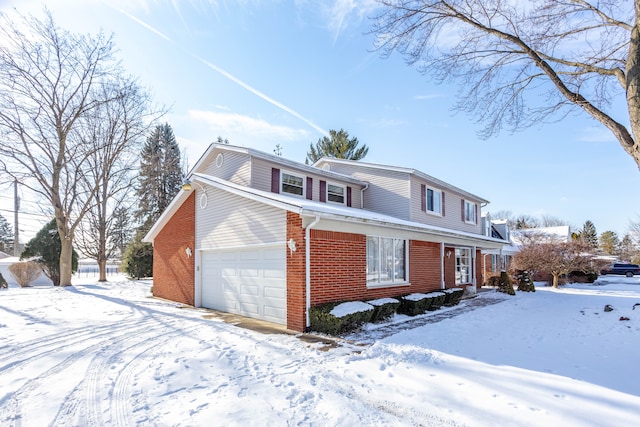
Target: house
column 496, row 260
column 266, row 237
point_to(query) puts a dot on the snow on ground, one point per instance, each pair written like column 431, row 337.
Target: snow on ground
column 109, row 354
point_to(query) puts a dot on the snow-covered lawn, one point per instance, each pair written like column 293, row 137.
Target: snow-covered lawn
column 109, row 354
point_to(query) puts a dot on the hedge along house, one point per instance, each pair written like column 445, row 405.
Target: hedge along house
column 255, row 234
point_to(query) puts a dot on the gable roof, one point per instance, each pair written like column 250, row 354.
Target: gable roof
column 275, row 159
column 322, row 210
column 409, row 171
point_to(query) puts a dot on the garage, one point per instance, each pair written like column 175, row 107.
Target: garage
column 250, row 282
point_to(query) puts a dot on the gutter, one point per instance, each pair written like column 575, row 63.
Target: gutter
column 307, row 268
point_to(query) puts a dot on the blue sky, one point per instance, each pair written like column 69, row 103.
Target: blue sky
column 261, row 73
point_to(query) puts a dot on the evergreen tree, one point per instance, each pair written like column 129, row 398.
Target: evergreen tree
column 137, row 260
column 589, row 234
column 121, row 229
column 337, row 145
column 609, row 242
column 6, row 236
column 160, row 176
column 627, row 248
column 46, row 247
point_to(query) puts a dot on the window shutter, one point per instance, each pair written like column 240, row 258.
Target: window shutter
column 349, row 196
column 462, row 208
column 442, row 203
column 275, row 180
column 423, row 197
column 323, row 191
column 309, row 188
column 476, row 213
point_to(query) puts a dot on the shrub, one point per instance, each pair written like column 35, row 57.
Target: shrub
column 493, row 281
column 25, row 272
column 525, row 284
column 138, row 260
column 505, row 284
column 437, row 300
column 453, row 296
column 383, row 308
column 3, row 282
column 339, row 317
column 414, row 304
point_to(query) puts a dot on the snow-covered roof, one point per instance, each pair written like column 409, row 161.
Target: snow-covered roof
column 329, row 211
column 558, row 233
column 275, row 159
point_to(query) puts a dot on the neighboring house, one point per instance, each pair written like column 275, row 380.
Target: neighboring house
column 560, row 233
column 262, row 236
column 496, row 260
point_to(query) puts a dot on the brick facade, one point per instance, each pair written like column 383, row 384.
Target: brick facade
column 296, row 283
column 173, row 271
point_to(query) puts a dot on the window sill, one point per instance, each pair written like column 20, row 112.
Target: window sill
column 387, row 285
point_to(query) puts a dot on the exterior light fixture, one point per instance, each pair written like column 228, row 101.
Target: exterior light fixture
column 189, row 252
column 292, row 245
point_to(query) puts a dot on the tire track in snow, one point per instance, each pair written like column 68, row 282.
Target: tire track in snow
column 12, row 409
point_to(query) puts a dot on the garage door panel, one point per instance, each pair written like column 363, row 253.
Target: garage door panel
column 247, row 282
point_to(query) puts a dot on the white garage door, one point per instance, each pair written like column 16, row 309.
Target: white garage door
column 250, row 282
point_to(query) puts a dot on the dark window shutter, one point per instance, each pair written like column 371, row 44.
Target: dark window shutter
column 309, row 188
column 442, row 203
column 349, row 196
column 475, row 206
column 323, row 191
column 275, row 180
column 423, row 197
column 462, row 208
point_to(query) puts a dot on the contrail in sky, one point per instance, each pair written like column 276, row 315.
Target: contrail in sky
column 226, row 74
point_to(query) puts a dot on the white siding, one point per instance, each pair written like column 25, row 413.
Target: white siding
column 233, row 221
column 388, row 191
column 235, row 166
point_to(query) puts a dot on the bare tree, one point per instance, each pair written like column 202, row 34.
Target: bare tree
column 117, row 128
column 555, row 258
column 520, row 63
column 48, row 83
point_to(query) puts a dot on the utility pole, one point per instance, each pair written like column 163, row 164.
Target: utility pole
column 16, row 207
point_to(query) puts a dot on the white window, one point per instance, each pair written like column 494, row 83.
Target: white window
column 469, row 212
column 292, row 184
column 463, row 266
column 434, row 201
column 336, row 193
column 386, row 260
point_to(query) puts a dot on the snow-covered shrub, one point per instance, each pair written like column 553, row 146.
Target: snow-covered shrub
column 505, row 284
column 338, row 317
column 437, row 300
column 383, row 308
column 525, row 284
column 25, row 272
column 414, row 304
column 453, row 296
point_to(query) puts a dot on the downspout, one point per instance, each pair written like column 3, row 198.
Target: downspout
column 442, row 285
column 362, row 195
column 307, row 268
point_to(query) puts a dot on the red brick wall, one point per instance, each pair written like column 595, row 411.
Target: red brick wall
column 296, row 284
column 478, row 268
column 424, row 266
column 450, row 267
column 338, row 266
column 173, row 271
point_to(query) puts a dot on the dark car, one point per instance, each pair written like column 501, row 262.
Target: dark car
column 626, row 269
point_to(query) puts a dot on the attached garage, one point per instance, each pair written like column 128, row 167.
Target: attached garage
column 247, row 281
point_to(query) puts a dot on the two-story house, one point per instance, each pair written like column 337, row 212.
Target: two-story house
column 262, row 236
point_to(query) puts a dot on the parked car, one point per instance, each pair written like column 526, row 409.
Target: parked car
column 628, row 270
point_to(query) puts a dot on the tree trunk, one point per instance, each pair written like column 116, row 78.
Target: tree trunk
column 556, row 277
column 66, row 266
column 102, row 268
column 633, row 86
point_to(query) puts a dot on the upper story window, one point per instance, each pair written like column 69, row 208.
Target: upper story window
column 434, row 201
column 292, row 184
column 336, row 193
column 469, row 212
